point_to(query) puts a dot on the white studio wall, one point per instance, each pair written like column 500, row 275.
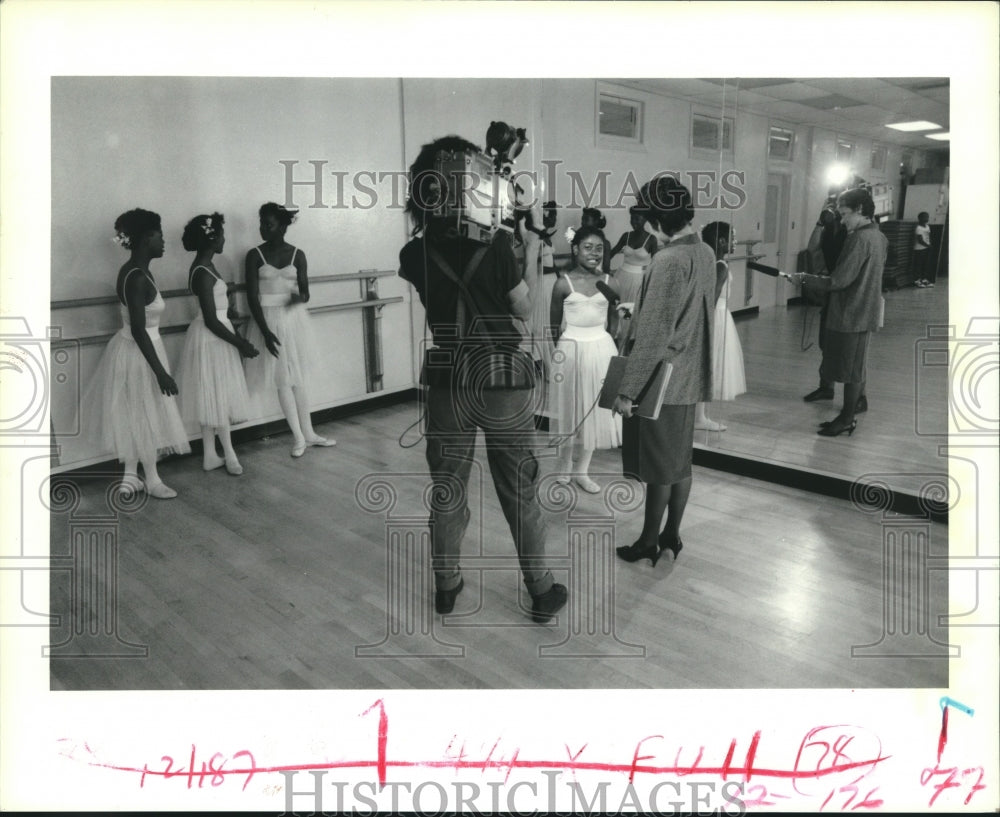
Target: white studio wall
column 184, row 146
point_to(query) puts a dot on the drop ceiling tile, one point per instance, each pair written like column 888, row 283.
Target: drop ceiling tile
column 937, row 94
column 791, row 91
column 792, row 110
column 912, row 83
column 830, row 102
column 846, row 86
column 749, row 83
column 871, row 114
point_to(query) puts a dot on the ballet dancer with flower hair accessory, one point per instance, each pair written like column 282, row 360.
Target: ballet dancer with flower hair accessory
column 213, row 386
column 129, row 405
column 277, row 293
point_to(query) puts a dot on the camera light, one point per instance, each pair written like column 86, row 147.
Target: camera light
column 837, row 174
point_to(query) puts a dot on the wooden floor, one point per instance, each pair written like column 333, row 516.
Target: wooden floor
column 897, row 439
column 282, row 579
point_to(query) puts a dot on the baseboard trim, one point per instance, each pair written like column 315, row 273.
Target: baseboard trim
column 261, row 430
column 890, row 500
column 876, row 495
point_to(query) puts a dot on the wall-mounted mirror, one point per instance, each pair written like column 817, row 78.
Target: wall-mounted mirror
column 791, row 145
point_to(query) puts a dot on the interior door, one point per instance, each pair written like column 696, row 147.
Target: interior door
column 774, row 241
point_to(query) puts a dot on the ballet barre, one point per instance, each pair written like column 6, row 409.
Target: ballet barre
column 176, row 329
column 104, row 300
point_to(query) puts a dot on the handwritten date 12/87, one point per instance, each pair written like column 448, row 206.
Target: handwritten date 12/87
column 197, row 772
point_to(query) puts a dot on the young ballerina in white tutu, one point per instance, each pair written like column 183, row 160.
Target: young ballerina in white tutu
column 639, row 248
column 277, row 293
column 131, row 398
column 580, row 360
column 728, row 376
column 213, row 386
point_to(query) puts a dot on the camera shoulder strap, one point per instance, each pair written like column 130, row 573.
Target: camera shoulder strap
column 466, row 300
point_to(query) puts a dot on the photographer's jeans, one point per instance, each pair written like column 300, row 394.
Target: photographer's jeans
column 451, row 440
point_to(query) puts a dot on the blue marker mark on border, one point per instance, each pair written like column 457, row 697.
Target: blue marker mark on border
column 946, row 702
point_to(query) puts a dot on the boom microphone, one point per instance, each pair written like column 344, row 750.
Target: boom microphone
column 774, row 272
column 609, row 293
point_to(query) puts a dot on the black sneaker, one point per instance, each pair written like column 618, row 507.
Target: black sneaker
column 444, row 600
column 546, row 605
column 819, row 394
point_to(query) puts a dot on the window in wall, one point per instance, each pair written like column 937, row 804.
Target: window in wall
column 779, row 143
column 713, row 133
column 879, row 155
column 845, row 149
column 619, row 118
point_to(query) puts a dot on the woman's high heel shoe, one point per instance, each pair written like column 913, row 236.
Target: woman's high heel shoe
column 635, row 552
column 674, row 547
column 835, row 429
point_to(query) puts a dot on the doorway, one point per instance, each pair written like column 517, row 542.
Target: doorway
column 775, row 240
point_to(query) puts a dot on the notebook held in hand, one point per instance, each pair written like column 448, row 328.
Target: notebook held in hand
column 647, row 403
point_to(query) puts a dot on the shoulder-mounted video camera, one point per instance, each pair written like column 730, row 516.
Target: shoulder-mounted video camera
column 474, row 188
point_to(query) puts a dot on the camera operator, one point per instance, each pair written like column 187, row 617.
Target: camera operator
column 825, row 245
column 457, row 406
column 855, row 295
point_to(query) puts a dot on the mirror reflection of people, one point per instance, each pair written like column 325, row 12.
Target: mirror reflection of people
column 728, row 375
column 213, row 385
column 676, row 313
column 131, row 396
column 549, row 219
column 855, row 296
column 829, row 236
column 277, row 294
column 583, row 350
column 638, row 247
column 457, row 407
column 922, row 256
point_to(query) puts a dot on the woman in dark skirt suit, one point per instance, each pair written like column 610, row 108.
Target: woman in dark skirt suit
column 675, row 325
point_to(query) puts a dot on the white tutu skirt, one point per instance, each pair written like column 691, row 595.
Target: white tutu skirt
column 125, row 409
column 728, row 376
column 629, row 279
column 210, row 377
column 579, row 365
column 296, row 360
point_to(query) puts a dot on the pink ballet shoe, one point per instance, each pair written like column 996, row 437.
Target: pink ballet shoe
column 233, row 467
column 320, row 441
column 710, row 425
column 161, row 491
column 586, row 483
column 299, row 448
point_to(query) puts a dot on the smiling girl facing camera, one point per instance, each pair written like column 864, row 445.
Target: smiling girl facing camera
column 580, row 361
